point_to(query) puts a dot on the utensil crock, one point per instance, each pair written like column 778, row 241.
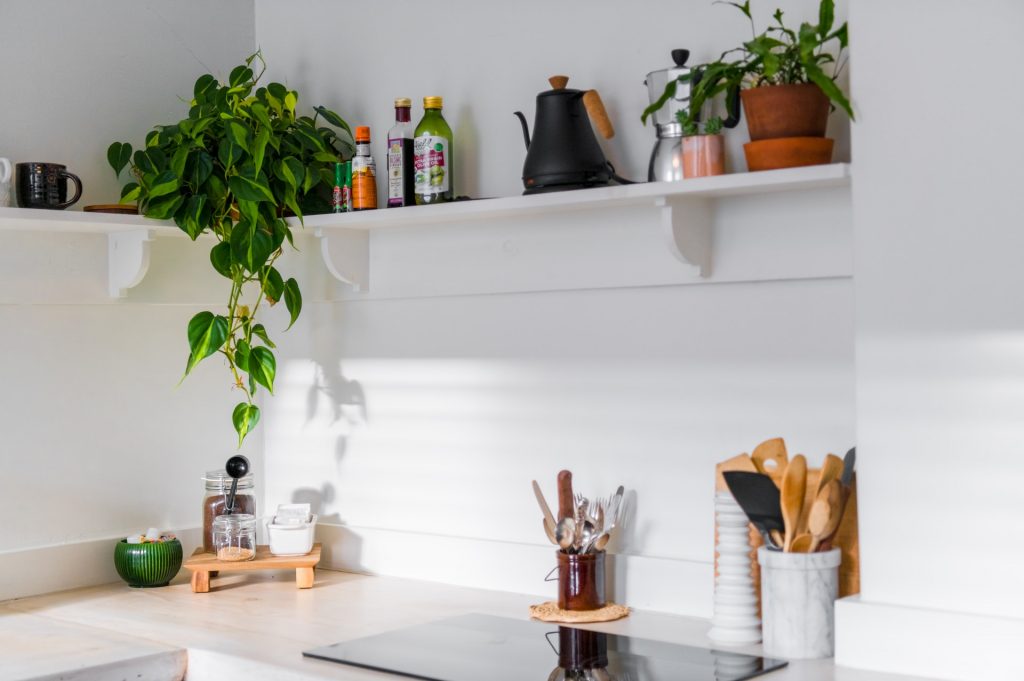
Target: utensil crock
column 798, row 595
column 581, row 580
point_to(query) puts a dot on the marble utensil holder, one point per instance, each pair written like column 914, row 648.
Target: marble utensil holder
column 798, row 596
column 735, row 620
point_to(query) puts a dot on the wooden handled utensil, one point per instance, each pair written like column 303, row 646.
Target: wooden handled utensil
column 770, row 458
column 543, row 503
column 566, row 506
column 831, row 469
column 826, row 512
column 791, row 499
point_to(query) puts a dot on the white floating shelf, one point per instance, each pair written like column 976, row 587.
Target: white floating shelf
column 686, row 218
column 686, row 213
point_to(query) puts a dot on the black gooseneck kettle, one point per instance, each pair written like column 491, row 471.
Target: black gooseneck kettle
column 564, row 153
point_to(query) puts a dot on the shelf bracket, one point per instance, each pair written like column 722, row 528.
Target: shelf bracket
column 687, row 223
column 127, row 260
column 346, row 253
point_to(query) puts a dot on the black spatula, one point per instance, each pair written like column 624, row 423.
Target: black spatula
column 758, row 496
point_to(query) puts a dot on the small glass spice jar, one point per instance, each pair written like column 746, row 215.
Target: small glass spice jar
column 218, row 485
column 234, row 537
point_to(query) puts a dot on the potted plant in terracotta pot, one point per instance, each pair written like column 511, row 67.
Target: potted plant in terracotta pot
column 703, row 152
column 786, row 80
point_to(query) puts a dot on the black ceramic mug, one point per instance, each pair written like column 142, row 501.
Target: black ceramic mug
column 45, row 185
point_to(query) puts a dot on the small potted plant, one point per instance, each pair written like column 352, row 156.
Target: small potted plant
column 786, row 80
column 703, row 152
column 242, row 158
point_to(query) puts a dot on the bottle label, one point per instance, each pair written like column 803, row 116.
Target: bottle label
column 364, row 183
column 396, row 182
column 432, row 164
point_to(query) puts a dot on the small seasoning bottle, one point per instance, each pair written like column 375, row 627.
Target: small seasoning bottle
column 338, row 203
column 364, row 173
column 401, row 169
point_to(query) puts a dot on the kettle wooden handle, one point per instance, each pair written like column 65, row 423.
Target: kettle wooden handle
column 597, row 113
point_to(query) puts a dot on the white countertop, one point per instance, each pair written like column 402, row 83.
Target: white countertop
column 256, row 625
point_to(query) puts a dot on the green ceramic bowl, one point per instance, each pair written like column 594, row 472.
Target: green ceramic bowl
column 145, row 565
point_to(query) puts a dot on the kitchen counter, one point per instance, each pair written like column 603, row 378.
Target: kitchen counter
column 256, row 625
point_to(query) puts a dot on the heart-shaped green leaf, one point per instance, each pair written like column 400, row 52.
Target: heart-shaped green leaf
column 292, row 300
column 260, row 332
column 242, row 352
column 220, row 258
column 273, row 285
column 206, row 334
column 118, row 155
column 250, row 188
column 130, row 192
column 251, row 245
column 165, row 183
column 245, row 417
column 263, row 366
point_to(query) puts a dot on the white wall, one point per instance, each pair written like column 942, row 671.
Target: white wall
column 97, row 442
column 940, row 342
column 417, row 417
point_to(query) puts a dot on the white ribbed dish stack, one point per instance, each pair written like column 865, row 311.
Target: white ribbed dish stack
column 735, row 620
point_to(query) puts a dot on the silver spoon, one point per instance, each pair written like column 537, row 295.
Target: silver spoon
column 565, row 533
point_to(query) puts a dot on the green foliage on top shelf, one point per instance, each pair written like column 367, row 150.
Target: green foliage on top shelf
column 777, row 56
column 230, row 169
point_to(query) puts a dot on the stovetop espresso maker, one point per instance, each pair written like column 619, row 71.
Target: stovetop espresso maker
column 667, row 156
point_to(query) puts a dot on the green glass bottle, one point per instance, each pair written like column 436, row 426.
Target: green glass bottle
column 432, row 151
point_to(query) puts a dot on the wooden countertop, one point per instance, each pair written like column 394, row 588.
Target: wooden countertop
column 256, row 625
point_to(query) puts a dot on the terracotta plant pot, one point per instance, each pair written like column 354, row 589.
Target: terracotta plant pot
column 788, row 152
column 703, row 155
column 774, row 111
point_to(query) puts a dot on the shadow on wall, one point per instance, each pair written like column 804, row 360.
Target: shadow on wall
column 467, row 168
column 318, row 499
column 629, row 535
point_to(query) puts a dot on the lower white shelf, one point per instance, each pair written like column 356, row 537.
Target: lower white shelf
column 495, row 233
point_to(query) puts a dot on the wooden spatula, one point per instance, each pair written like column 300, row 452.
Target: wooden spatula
column 770, row 458
column 826, row 512
column 794, row 486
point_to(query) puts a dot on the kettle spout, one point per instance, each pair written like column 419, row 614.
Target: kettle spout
column 526, row 129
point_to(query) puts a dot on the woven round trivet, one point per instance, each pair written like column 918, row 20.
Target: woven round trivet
column 550, row 612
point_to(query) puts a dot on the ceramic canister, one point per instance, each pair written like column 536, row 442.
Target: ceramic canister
column 798, row 596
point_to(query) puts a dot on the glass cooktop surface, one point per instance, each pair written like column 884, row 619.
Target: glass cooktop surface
column 476, row 647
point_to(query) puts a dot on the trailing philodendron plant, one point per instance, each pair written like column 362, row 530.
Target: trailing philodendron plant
column 231, row 169
column 777, row 56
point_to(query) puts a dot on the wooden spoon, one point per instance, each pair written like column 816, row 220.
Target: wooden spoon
column 830, row 470
column 825, row 514
column 794, row 486
column 771, row 459
column 802, row 543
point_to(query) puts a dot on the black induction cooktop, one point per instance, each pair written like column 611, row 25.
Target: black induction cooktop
column 476, row 647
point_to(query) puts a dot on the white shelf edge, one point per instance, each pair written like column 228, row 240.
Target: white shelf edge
column 686, row 212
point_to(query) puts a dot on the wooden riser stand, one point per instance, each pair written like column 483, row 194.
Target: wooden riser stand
column 205, row 565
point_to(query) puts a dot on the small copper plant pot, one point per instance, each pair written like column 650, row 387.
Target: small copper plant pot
column 703, row 155
column 581, row 583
